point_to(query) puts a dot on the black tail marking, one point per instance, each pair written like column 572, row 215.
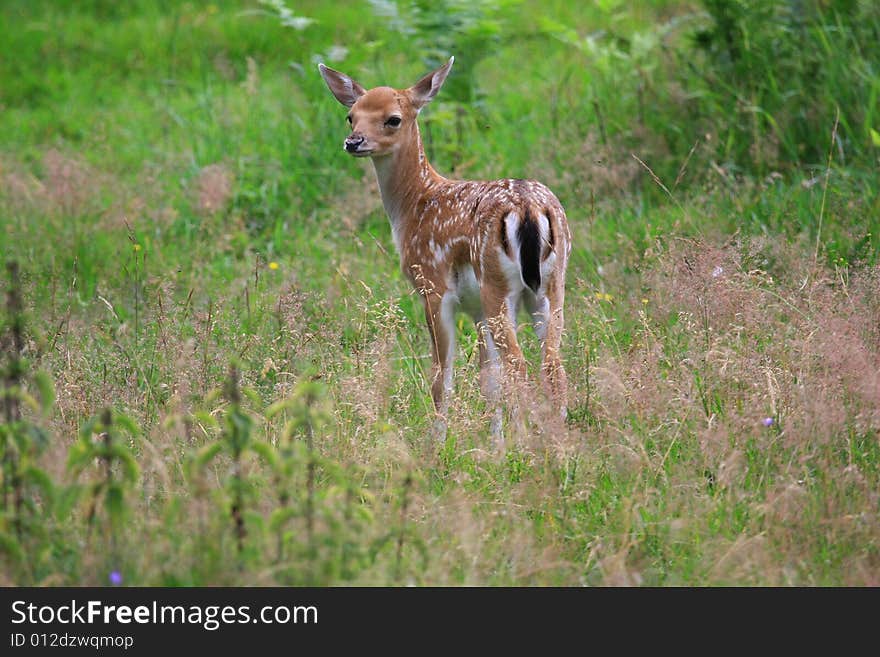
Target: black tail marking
column 529, row 238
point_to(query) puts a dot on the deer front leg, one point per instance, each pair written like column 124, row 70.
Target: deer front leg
column 439, row 313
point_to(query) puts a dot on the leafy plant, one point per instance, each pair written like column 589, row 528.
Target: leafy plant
column 236, row 441
column 402, row 537
column 104, row 451
column 469, row 30
column 27, row 490
column 771, row 73
column 308, row 414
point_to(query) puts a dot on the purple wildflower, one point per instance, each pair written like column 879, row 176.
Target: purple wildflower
column 767, row 421
column 116, row 578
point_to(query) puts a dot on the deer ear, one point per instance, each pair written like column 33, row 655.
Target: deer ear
column 346, row 90
column 423, row 91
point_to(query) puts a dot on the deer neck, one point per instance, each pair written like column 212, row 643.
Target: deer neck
column 405, row 178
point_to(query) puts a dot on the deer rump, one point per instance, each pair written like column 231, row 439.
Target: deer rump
column 528, row 241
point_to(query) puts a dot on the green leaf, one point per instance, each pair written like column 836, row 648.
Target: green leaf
column 114, row 501
column 255, row 521
column 126, row 423
column 41, row 480
column 88, row 428
column 241, row 421
column 277, row 407
column 561, row 31
column 38, row 437
column 29, row 400
column 79, row 454
column 65, row 500
column 206, row 454
column 129, row 465
column 11, row 547
column 280, row 517
column 47, row 390
column 205, row 419
column 875, row 138
column 266, row 451
column 252, row 395
column 378, row 544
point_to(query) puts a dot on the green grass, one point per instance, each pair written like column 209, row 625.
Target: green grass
column 173, row 189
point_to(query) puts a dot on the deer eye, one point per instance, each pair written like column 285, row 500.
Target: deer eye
column 393, row 121
column 348, row 118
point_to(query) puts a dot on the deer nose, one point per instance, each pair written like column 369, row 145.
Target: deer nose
column 353, row 141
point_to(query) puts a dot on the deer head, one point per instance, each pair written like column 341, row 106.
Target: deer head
column 382, row 118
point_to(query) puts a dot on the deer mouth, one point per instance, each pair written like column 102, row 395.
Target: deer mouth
column 358, row 146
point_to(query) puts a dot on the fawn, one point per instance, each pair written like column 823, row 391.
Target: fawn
column 487, row 247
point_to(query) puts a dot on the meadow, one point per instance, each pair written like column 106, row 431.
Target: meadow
column 214, row 373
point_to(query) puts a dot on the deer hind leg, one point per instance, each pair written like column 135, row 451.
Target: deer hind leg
column 500, row 311
column 549, row 321
column 538, row 306
column 439, row 313
column 490, row 376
